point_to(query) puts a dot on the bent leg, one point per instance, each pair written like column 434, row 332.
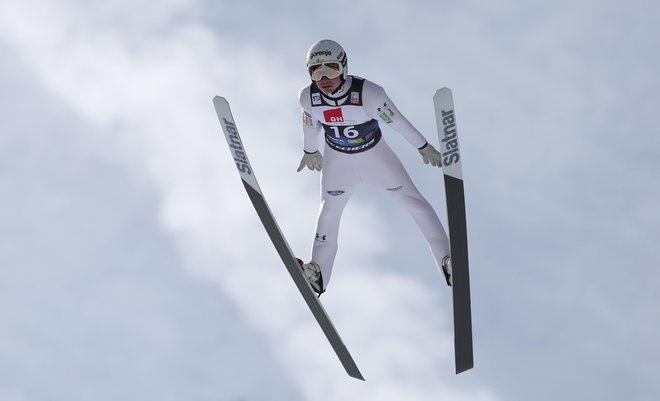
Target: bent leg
column 325, row 245
column 389, row 175
column 338, row 183
column 426, row 219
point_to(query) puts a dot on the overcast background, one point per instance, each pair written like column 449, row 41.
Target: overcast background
column 132, row 266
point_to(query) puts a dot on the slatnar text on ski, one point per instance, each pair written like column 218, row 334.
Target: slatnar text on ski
column 237, row 148
column 452, row 155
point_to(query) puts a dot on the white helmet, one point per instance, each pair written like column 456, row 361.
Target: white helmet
column 327, row 51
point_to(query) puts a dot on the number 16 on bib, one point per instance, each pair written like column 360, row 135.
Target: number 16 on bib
column 451, row 168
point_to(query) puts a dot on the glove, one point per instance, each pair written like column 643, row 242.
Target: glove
column 430, row 155
column 313, row 161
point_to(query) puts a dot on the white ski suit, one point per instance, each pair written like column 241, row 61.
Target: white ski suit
column 355, row 152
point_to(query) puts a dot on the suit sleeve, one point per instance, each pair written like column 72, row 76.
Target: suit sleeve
column 312, row 128
column 379, row 106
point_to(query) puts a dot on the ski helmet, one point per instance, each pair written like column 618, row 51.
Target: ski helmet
column 326, row 52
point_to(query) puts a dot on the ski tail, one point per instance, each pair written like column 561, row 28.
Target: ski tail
column 455, row 198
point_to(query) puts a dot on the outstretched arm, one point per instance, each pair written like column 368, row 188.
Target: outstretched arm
column 382, row 108
column 312, row 132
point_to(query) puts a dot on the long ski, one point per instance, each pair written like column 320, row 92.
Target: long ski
column 256, row 196
column 451, row 168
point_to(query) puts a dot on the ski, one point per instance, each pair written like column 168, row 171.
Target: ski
column 268, row 220
column 454, row 192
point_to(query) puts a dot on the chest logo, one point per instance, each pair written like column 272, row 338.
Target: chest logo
column 333, row 116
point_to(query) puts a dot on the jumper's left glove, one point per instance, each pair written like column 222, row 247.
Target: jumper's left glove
column 430, row 155
column 313, row 161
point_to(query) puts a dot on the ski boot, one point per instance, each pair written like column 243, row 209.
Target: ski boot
column 312, row 273
column 446, row 269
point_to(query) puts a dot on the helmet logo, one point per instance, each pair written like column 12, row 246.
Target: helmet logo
column 321, row 52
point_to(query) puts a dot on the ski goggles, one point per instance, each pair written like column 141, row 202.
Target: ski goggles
column 328, row 70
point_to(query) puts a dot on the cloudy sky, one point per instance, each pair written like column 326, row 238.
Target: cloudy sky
column 133, row 267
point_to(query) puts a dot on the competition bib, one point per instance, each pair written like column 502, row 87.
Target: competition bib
column 347, row 127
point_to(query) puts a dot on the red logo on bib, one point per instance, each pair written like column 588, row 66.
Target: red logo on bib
column 333, row 116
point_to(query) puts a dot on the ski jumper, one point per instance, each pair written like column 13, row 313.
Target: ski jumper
column 355, row 152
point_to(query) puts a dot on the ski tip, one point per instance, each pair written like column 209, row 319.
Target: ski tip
column 441, row 91
column 219, row 99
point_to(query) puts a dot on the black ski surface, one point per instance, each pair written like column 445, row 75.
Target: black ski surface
column 268, row 220
column 455, row 197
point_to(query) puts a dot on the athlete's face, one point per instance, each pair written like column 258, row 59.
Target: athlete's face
column 329, row 85
column 327, row 76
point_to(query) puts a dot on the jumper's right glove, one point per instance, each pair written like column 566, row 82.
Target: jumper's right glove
column 313, row 161
column 430, row 155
